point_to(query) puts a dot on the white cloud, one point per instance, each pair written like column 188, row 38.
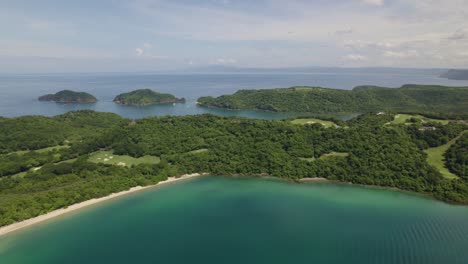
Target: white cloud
column 460, row 34
column 342, row 32
column 139, row 51
column 374, row 2
column 355, row 57
column 344, row 27
column 225, row 61
column 401, row 54
column 267, row 33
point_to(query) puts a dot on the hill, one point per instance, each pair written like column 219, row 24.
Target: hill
column 67, row 96
column 144, row 97
column 456, row 74
column 408, row 98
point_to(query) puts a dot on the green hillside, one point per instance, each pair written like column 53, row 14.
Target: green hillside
column 144, row 97
column 67, row 96
column 408, row 98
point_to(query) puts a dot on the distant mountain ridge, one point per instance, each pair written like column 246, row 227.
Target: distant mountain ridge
column 454, row 74
column 312, row 69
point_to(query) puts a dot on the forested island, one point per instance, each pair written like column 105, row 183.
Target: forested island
column 145, row 97
column 362, row 99
column 68, row 96
column 456, row 74
column 48, row 163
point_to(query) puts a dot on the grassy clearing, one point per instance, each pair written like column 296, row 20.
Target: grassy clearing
column 308, row 121
column 403, row 118
column 107, row 157
column 44, row 150
column 197, row 151
column 22, row 174
column 307, row 159
column 302, row 89
column 334, row 154
column 435, row 158
column 326, row 156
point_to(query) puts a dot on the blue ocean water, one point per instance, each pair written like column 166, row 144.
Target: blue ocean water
column 18, row 93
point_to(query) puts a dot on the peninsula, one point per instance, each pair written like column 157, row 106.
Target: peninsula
column 68, row 96
column 362, row 99
column 145, row 97
column 49, row 163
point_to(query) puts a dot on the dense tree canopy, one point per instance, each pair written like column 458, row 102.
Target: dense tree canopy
column 457, row 157
column 362, row 99
column 370, row 152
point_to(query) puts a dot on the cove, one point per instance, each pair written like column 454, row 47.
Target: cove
column 217, row 219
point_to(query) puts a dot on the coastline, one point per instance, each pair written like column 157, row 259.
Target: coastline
column 41, row 218
column 318, row 179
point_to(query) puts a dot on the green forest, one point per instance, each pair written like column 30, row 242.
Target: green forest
column 67, row 96
column 362, row 99
column 144, row 97
column 457, row 157
column 50, row 163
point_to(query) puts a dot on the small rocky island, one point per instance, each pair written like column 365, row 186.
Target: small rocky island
column 145, row 97
column 67, row 96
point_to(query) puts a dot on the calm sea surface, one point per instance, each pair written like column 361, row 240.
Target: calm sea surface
column 18, row 93
column 246, row 220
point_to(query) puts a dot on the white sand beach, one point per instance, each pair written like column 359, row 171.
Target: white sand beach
column 41, row 218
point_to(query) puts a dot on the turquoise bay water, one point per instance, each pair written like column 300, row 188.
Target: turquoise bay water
column 250, row 220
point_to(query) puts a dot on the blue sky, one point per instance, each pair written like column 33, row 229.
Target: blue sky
column 146, row 35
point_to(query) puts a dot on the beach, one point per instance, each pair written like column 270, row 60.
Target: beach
column 41, row 218
column 318, row 179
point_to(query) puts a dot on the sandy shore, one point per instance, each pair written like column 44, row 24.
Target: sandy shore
column 313, row 179
column 38, row 219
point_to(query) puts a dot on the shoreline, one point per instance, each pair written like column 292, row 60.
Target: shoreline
column 317, row 179
column 74, row 207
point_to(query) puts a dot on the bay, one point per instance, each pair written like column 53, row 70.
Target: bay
column 250, row 220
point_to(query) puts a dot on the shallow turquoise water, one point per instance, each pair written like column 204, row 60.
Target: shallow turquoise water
column 250, row 220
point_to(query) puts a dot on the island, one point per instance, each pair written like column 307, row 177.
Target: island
column 454, row 74
column 144, row 97
column 49, row 163
column 68, row 96
column 362, row 99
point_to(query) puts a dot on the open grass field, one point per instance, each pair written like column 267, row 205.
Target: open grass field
column 197, row 151
column 44, row 150
column 307, row 159
column 107, row 157
column 334, row 154
column 435, row 157
column 403, row 118
column 306, row 121
column 326, row 156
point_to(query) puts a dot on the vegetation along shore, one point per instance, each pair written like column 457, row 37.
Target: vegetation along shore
column 38, row 219
column 48, row 163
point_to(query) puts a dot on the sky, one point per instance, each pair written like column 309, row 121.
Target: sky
column 154, row 35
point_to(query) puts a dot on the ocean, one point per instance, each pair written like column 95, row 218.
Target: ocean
column 19, row 93
column 227, row 220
